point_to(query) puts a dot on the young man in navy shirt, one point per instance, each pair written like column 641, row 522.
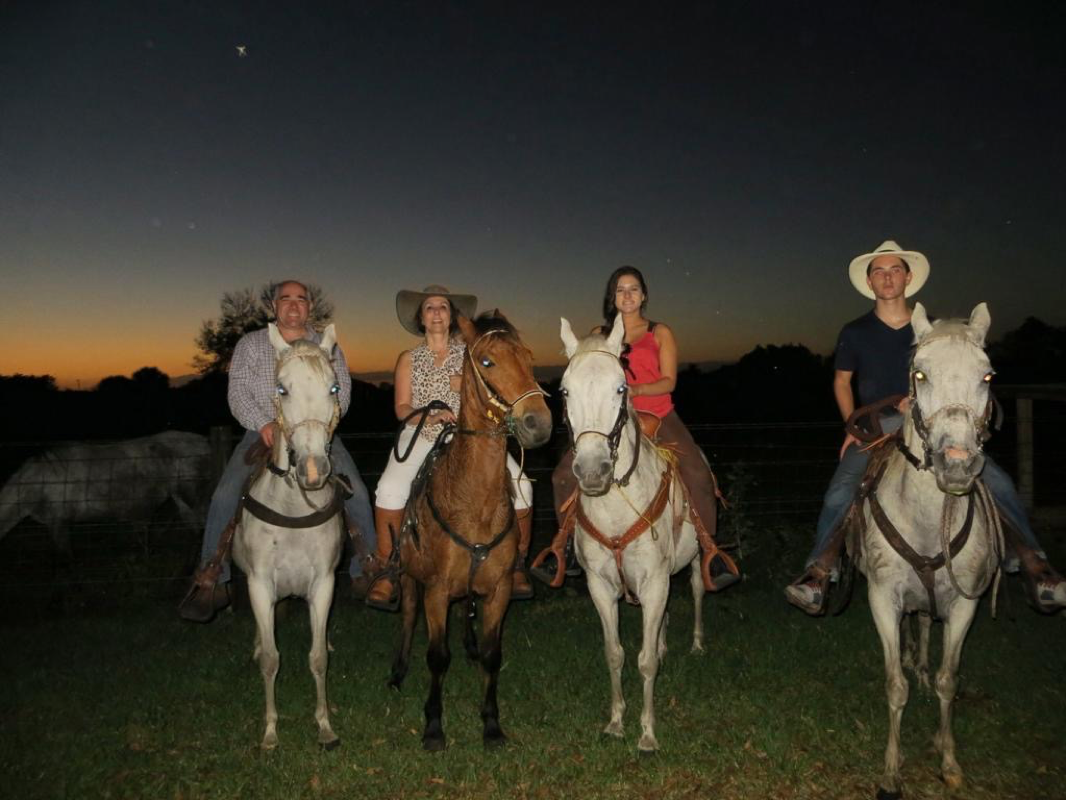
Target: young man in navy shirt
column 874, row 351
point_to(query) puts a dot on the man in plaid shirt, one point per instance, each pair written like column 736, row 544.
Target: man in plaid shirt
column 251, row 399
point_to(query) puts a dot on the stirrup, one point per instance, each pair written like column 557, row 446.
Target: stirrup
column 393, row 602
column 203, row 600
column 818, row 606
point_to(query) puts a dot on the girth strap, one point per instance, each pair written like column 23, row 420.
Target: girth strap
column 618, row 544
column 924, row 566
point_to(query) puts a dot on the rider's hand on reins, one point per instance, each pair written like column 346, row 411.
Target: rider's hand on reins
column 849, row 440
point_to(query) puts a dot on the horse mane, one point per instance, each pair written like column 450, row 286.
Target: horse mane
column 594, row 341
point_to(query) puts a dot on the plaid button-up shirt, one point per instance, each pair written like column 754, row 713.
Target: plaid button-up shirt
column 251, row 378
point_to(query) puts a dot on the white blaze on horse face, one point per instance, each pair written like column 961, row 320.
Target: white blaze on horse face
column 307, row 398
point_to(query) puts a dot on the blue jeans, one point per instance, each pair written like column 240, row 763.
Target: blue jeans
column 228, row 492
column 845, row 482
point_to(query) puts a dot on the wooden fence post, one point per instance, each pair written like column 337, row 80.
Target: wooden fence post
column 1024, row 423
column 221, row 440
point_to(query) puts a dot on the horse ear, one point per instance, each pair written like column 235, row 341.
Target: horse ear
column 329, row 338
column 466, row 327
column 618, row 332
column 920, row 322
column 980, row 321
column 276, row 339
column 566, row 333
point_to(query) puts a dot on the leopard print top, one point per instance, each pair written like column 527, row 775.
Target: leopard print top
column 430, row 382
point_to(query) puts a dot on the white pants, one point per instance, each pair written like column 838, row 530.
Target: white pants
column 394, row 485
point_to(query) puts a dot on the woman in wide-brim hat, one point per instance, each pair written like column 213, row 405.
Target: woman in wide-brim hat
column 430, row 371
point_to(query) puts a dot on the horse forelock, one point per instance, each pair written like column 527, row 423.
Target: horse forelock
column 307, row 351
column 957, row 329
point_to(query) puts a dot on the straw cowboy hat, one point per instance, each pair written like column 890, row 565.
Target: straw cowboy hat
column 918, row 263
column 408, row 303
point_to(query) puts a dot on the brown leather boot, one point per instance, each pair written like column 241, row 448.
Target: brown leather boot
column 384, row 595
column 1047, row 589
column 521, row 588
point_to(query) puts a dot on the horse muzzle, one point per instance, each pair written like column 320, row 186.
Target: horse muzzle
column 957, row 468
column 594, row 475
column 312, row 471
column 533, row 426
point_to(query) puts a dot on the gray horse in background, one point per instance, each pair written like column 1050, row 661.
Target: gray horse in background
column 124, row 481
column 930, row 540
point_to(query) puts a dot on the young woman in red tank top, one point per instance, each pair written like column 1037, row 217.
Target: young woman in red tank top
column 650, row 361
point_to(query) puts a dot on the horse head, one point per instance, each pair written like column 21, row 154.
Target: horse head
column 307, row 400
column 950, row 402
column 498, row 382
column 597, row 404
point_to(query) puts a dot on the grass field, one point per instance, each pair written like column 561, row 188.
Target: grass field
column 117, row 698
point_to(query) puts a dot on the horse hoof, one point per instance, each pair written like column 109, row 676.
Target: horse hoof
column 953, row 780
column 333, row 745
column 643, row 754
column 432, row 744
column 884, row 794
column 494, row 740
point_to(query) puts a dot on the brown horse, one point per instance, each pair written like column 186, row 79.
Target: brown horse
column 459, row 537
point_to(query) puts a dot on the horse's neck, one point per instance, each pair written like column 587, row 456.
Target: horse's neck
column 477, row 461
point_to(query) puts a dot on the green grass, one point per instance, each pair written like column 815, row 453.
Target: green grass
column 128, row 702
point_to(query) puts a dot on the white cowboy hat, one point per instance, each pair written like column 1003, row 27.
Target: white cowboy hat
column 408, row 303
column 918, row 263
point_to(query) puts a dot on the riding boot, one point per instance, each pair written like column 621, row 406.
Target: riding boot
column 1047, row 589
column 384, row 593
column 521, row 588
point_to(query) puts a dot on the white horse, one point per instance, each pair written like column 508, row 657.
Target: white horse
column 930, row 542
column 624, row 481
column 290, row 534
column 125, row 481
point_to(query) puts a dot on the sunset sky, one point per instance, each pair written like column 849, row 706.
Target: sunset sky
column 740, row 153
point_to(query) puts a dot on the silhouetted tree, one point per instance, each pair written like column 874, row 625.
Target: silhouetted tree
column 243, row 311
column 1034, row 352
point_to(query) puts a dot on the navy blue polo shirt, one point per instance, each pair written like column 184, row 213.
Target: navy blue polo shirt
column 880, row 357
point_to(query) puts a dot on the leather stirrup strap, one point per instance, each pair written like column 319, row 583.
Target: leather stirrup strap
column 558, row 544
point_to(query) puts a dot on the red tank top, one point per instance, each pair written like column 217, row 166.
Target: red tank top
column 644, row 368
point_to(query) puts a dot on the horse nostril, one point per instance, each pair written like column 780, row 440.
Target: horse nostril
column 530, row 421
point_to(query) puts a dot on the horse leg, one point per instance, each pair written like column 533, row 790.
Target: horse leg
column 438, row 657
column 469, row 631
column 921, row 668
column 696, row 582
column 653, row 603
column 318, row 608
column 491, row 654
column 886, row 616
column 409, row 592
column 262, row 600
column 956, row 626
column 605, row 598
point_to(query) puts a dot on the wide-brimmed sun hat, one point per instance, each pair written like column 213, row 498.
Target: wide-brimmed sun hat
column 918, row 263
column 408, row 303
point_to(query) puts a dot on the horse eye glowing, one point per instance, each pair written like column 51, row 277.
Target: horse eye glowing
column 622, row 389
column 919, row 375
column 486, row 362
column 334, row 389
column 563, row 392
column 281, row 390
column 988, row 377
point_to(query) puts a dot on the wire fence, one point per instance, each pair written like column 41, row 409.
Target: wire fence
column 69, row 515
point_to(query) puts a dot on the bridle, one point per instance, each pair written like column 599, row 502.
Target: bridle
column 288, row 430
column 922, row 424
column 497, row 409
column 614, row 436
